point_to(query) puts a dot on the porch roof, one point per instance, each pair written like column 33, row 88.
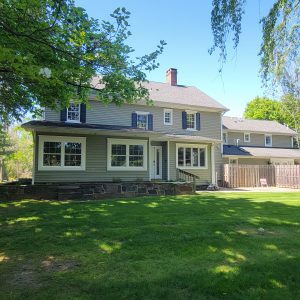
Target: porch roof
column 79, row 128
column 261, row 152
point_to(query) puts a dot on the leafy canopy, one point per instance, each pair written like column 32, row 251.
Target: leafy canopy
column 261, row 108
column 280, row 45
column 50, row 50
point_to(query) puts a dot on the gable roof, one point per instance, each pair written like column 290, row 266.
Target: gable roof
column 261, row 126
column 164, row 94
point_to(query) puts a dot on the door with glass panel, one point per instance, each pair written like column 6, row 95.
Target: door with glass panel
column 156, row 164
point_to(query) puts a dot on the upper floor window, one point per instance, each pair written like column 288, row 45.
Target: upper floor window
column 268, row 140
column 247, row 138
column 225, row 138
column 191, row 121
column 142, row 120
column 168, row 116
column 73, row 113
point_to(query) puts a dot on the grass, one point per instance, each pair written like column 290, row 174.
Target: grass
column 208, row 246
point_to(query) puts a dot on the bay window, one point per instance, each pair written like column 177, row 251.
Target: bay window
column 61, row 153
column 126, row 155
column 191, row 156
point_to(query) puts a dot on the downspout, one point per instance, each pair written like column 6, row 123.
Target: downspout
column 168, row 160
column 213, row 165
column 33, row 156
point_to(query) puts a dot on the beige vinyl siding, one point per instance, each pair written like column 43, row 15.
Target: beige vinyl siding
column 258, row 140
column 98, row 113
column 204, row 174
column 52, row 115
column 96, row 165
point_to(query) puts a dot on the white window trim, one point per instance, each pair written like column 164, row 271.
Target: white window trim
column 191, row 146
column 270, row 135
column 225, row 133
column 191, row 112
column 145, row 113
column 61, row 139
column 168, row 110
column 127, row 142
column 73, row 121
column 247, row 133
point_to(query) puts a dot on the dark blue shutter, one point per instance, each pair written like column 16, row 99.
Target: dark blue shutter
column 134, row 120
column 198, row 121
column 83, row 113
column 184, row 126
column 150, row 122
column 63, row 115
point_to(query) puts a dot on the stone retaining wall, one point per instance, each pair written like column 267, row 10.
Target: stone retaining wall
column 89, row 191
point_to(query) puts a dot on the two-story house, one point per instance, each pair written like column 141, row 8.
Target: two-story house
column 258, row 142
column 135, row 142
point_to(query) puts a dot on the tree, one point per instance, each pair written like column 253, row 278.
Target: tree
column 261, row 108
column 50, row 50
column 18, row 163
column 286, row 111
column 280, row 45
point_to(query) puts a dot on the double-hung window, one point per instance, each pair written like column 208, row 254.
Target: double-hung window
column 247, row 138
column 168, row 116
column 126, row 155
column 142, row 120
column 73, row 113
column 268, row 140
column 191, row 121
column 191, row 156
column 61, row 153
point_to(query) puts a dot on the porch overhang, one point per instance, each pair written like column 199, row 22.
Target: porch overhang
column 230, row 151
column 112, row 130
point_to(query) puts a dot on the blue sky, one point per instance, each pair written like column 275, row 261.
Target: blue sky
column 185, row 26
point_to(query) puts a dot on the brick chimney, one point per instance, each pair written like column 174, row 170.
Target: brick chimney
column 171, row 76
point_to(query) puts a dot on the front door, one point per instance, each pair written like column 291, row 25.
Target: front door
column 156, row 162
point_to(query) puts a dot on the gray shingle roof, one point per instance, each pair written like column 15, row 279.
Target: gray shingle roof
column 239, row 124
column 261, row 152
column 178, row 95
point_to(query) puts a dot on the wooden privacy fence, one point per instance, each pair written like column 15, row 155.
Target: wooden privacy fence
column 251, row 175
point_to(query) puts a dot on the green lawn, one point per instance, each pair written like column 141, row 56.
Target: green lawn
column 208, row 246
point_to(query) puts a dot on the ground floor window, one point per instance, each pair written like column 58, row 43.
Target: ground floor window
column 61, row 153
column 126, row 155
column 191, row 156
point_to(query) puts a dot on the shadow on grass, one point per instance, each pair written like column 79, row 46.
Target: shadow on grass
column 203, row 246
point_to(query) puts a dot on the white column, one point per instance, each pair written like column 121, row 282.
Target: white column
column 33, row 156
column 149, row 158
column 213, row 164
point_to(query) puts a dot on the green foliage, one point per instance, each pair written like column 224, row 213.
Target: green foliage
column 261, row 108
column 50, row 50
column 207, row 246
column 286, row 111
column 18, row 163
column 280, row 45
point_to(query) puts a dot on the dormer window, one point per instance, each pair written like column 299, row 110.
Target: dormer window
column 73, row 113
